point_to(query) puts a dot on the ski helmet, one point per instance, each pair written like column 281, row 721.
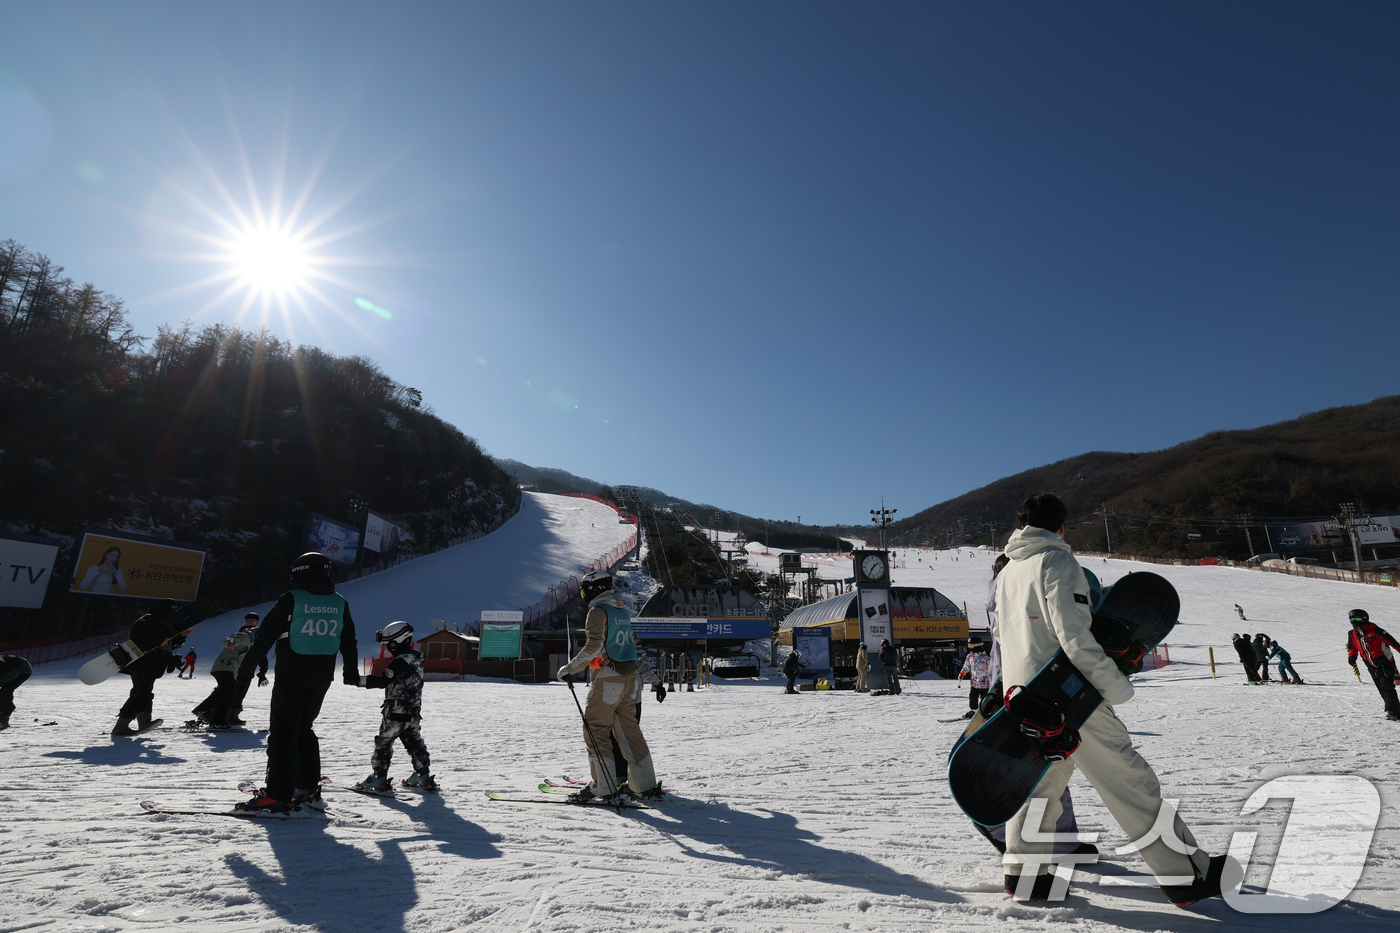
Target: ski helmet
column 313, row 565
column 1358, row 615
column 594, row 585
column 250, row 619
column 396, row 636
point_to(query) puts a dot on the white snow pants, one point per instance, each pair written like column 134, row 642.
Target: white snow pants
column 1129, row 789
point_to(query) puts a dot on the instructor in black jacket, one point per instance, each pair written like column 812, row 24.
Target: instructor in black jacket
column 310, row 624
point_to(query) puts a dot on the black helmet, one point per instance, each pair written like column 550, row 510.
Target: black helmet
column 251, row 618
column 396, row 636
column 313, row 565
column 594, row 585
column 1358, row 615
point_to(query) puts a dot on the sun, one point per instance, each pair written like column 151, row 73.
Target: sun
column 270, row 261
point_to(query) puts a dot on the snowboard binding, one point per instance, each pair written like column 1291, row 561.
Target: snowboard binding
column 1114, row 638
column 1042, row 723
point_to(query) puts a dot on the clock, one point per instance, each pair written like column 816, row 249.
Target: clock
column 872, row 567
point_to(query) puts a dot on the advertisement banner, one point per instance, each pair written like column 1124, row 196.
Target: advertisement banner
column 500, row 639
column 26, row 566
column 814, row 645
column 381, row 535
column 874, row 616
column 336, row 540
column 116, row 563
column 1379, row 530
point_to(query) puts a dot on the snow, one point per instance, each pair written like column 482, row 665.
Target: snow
column 823, row 811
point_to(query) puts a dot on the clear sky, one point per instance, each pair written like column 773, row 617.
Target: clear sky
column 780, row 257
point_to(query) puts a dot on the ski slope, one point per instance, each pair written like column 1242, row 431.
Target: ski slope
column 824, row 811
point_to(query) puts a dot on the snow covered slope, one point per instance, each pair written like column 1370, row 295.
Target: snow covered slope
column 827, row 811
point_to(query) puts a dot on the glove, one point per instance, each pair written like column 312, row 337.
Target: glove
column 262, row 680
column 660, row 692
column 351, row 679
column 564, row 674
column 1352, row 662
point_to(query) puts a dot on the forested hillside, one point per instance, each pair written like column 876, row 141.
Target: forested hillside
column 1188, row 500
column 214, row 435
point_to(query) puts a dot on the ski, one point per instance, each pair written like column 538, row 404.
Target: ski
column 657, row 804
column 963, row 718
column 194, row 725
column 597, row 802
column 150, row 807
column 364, row 791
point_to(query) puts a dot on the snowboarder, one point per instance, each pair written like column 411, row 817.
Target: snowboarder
column 1043, row 601
column 190, row 657
column 147, row 669
column 1246, row 652
column 646, row 674
column 611, row 652
column 792, row 666
column 402, row 683
column 309, row 624
column 889, row 658
column 1261, row 657
column 977, row 668
column 14, row 670
column 1241, row 612
column 1373, row 643
column 1285, row 663
column 220, row 709
column 862, row 668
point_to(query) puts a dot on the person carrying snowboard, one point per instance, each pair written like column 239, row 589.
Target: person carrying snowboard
column 792, row 666
column 150, row 667
column 1246, row 652
column 889, row 659
column 1261, row 657
column 310, row 623
column 188, row 665
column 402, row 683
column 862, row 668
column 1044, row 606
column 1372, row 644
column 1285, row 663
column 219, row 709
column 610, row 650
column 14, row 670
column 977, row 668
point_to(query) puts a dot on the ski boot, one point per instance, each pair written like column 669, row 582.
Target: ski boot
column 144, row 722
column 376, row 784
column 1039, row 890
column 308, row 799
column 5, row 721
column 421, row 781
column 235, row 717
column 1183, row 895
column 656, row 793
column 586, row 795
column 1393, row 717
column 123, row 726
column 265, row 804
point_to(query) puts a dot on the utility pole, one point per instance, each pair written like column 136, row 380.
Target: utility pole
column 882, row 519
column 1244, row 518
column 1108, row 535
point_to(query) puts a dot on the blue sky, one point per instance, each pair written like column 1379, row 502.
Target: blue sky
column 782, row 258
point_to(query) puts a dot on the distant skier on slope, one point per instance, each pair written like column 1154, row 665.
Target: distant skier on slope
column 1245, row 650
column 1241, row 612
column 1372, row 644
column 610, row 650
column 1044, row 606
column 402, row 683
column 14, row 670
column 309, row 624
column 188, row 666
column 147, row 669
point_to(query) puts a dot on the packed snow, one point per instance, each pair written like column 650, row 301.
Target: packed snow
column 816, row 812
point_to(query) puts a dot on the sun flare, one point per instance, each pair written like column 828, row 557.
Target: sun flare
column 270, row 261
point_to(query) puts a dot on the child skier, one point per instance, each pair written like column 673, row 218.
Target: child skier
column 1285, row 663
column 977, row 668
column 402, row 683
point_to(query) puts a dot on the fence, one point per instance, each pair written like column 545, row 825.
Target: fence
column 566, row 591
column 58, row 649
column 1375, row 578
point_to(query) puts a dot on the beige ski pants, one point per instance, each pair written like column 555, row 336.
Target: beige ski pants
column 1129, row 788
column 612, row 709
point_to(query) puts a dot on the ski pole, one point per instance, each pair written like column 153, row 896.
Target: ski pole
column 588, row 734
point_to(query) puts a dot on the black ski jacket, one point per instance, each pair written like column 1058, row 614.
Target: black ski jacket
column 792, row 665
column 402, row 683
column 1245, row 650
column 308, row 667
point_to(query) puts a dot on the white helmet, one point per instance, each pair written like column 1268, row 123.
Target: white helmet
column 397, row 636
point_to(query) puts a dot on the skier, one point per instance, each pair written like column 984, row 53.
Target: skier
column 1241, row 612
column 219, row 708
column 889, row 658
column 611, row 651
column 1261, row 656
column 1373, row 644
column 14, row 670
column 147, row 669
column 646, row 674
column 1246, row 652
column 1285, row 663
column 862, row 668
column 402, row 683
column 792, row 665
column 1043, row 602
column 309, row 624
column 977, row 667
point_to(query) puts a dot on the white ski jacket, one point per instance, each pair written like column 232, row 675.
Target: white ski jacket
column 1043, row 602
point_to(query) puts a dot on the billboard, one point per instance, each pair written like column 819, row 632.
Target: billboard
column 874, row 615
column 668, row 628
column 118, row 563
column 26, row 566
column 1327, row 534
column 336, row 540
column 500, row 639
column 381, row 535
